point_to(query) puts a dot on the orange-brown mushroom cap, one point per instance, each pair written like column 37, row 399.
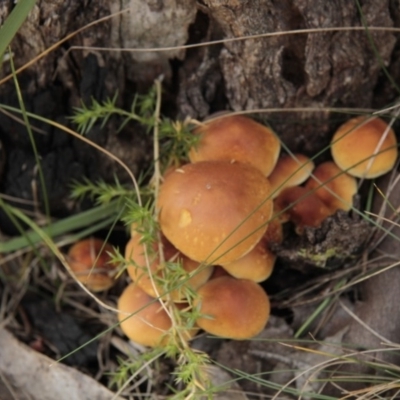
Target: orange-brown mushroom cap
column 89, row 260
column 333, row 186
column 258, row 264
column 237, row 138
column 149, row 321
column 360, row 148
column 139, row 270
column 303, row 207
column 290, row 171
column 214, row 211
column 232, row 308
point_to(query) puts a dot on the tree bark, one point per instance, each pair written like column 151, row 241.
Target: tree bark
column 330, row 69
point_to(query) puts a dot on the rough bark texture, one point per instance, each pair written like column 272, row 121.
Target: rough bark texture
column 62, row 80
column 307, row 70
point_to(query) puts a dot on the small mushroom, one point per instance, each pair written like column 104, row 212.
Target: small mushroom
column 142, row 318
column 258, row 264
column 138, row 270
column 214, row 211
column 361, row 148
column 302, row 207
column 333, row 186
column 290, row 171
column 237, row 138
column 232, row 308
column 145, row 320
column 89, row 260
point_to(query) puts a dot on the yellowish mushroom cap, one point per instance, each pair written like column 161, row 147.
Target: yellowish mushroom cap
column 237, row 138
column 142, row 318
column 214, row 211
column 333, row 186
column 233, row 308
column 258, row 264
column 355, row 143
column 140, row 271
column 290, row 171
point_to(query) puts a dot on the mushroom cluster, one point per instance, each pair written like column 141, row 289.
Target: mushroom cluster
column 223, row 211
column 215, row 210
column 363, row 147
column 218, row 210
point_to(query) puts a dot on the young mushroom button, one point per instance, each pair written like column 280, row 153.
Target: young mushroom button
column 333, row 186
column 290, row 170
column 214, row 211
column 90, row 261
column 302, row 207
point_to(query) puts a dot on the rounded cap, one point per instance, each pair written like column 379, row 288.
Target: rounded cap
column 237, row 138
column 303, row 207
column 214, row 211
column 338, row 187
column 139, row 272
column 149, row 321
column 355, row 143
column 258, row 264
column 232, row 308
column 290, row 171
column 90, row 262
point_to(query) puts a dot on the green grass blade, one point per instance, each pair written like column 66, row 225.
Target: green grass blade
column 13, row 23
column 33, row 143
column 98, row 217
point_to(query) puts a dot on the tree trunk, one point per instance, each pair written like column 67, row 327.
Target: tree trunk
column 330, row 69
column 318, row 70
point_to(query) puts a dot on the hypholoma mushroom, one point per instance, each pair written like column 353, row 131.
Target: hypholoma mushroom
column 147, row 273
column 236, row 138
column 290, row 170
column 258, row 264
column 214, row 211
column 232, row 308
column 89, row 260
column 361, row 147
column 302, row 207
column 333, row 186
column 142, row 318
column 145, row 319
